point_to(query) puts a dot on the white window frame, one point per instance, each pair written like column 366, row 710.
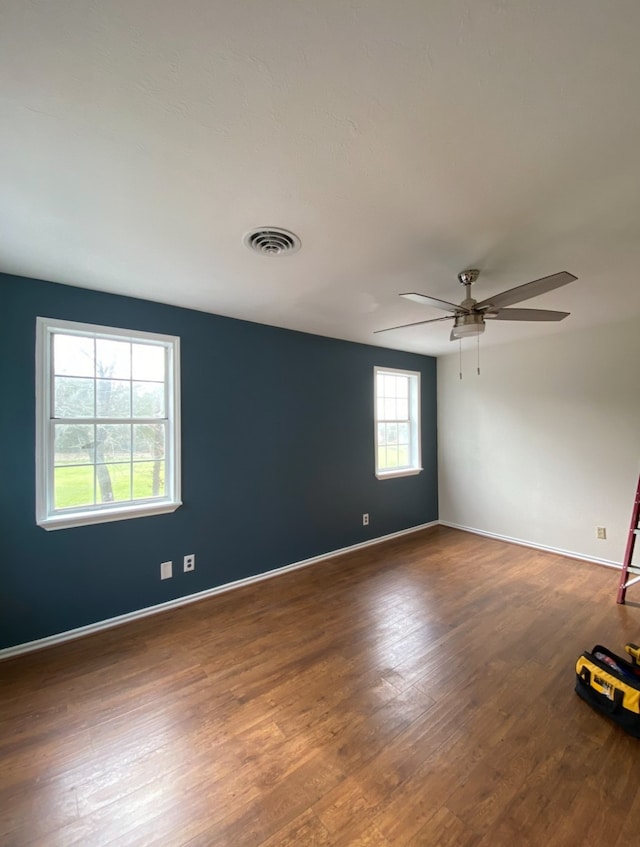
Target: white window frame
column 46, row 515
column 415, row 447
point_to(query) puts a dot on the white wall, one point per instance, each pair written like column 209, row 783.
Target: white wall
column 545, row 445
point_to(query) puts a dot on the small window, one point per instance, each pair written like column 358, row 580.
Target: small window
column 397, row 422
column 108, row 424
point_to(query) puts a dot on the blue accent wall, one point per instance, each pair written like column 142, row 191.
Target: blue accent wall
column 277, row 463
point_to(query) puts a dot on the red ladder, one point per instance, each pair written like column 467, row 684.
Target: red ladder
column 627, row 567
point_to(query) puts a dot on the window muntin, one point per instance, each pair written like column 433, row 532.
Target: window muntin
column 107, row 425
column 397, row 422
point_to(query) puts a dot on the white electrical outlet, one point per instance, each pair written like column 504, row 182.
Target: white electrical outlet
column 601, row 533
column 166, row 570
column 365, row 519
column 190, row 562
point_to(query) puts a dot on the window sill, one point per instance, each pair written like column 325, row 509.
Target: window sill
column 393, row 474
column 87, row 518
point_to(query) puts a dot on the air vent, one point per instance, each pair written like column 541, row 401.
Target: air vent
column 271, row 241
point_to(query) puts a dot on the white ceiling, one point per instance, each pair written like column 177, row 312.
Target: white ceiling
column 402, row 141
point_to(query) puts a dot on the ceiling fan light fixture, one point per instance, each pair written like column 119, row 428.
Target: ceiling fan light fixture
column 467, row 325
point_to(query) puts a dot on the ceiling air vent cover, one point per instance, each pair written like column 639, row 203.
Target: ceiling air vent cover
column 272, row 241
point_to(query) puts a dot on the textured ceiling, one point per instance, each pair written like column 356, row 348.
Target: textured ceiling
column 402, row 141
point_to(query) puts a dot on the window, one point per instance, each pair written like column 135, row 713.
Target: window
column 397, row 422
column 108, row 424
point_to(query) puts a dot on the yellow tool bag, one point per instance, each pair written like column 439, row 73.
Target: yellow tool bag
column 612, row 685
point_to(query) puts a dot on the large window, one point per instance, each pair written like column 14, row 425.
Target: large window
column 108, row 424
column 397, row 422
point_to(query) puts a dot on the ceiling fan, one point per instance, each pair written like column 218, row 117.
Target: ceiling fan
column 469, row 317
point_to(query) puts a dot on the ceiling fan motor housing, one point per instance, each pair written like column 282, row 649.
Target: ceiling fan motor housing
column 468, row 277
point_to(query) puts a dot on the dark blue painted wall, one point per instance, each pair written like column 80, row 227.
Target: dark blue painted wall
column 277, row 463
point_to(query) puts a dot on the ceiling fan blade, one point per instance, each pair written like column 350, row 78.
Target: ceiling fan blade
column 529, row 289
column 526, row 315
column 433, row 301
column 415, row 323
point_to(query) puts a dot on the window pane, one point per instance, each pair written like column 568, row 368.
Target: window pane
column 73, row 397
column 403, row 433
column 382, row 433
column 114, row 482
column 113, row 359
column 148, row 480
column 148, row 400
column 392, row 433
column 380, row 407
column 114, row 443
column 73, row 487
column 379, row 384
column 402, row 410
column 73, row 444
column 403, row 456
column 72, row 355
column 113, row 398
column 389, row 410
column 382, row 457
column 392, row 457
column 402, row 386
column 148, row 441
column 390, row 385
column 147, row 362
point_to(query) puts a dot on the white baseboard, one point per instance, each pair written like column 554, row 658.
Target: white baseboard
column 569, row 553
column 81, row 631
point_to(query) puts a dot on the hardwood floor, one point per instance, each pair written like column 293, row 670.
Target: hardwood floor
column 419, row 692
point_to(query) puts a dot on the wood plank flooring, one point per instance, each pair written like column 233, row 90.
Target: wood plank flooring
column 419, row 692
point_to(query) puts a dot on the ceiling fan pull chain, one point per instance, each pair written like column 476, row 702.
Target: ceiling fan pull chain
column 478, row 338
column 460, row 354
